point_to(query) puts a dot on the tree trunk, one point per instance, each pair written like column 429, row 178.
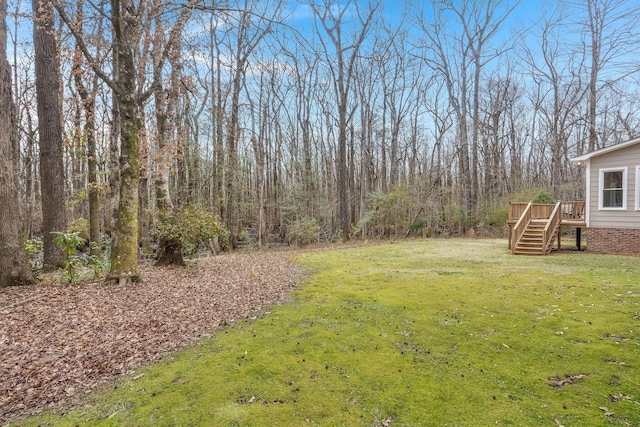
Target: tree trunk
column 92, row 165
column 232, row 215
column 124, row 243
column 114, row 169
column 217, row 117
column 144, row 217
column 114, row 155
column 14, row 265
column 50, row 131
column 89, row 104
column 124, row 246
column 343, row 191
column 164, row 103
column 165, row 153
column 383, row 150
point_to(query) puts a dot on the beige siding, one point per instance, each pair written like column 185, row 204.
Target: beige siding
column 628, row 157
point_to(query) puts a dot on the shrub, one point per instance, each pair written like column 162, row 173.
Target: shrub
column 418, row 224
column 387, row 213
column 535, row 195
column 69, row 243
column 244, row 236
column 544, row 196
column 495, row 216
column 303, row 231
column 183, row 229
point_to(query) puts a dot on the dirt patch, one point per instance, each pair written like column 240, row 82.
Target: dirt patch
column 60, row 342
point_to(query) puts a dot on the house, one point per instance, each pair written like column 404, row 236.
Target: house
column 612, row 214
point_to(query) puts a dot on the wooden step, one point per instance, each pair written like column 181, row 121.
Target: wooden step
column 532, row 236
column 528, row 240
column 531, row 242
column 531, row 252
column 529, row 248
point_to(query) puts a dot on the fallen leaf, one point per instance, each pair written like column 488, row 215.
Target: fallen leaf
column 557, row 382
column 59, row 341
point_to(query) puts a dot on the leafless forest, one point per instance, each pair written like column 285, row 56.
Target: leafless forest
column 360, row 119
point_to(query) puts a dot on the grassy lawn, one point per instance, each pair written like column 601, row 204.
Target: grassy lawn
column 430, row 333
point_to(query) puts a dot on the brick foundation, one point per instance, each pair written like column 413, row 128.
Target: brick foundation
column 613, row 240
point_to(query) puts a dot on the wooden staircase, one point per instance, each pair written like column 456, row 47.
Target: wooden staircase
column 531, row 242
column 535, row 230
column 533, row 227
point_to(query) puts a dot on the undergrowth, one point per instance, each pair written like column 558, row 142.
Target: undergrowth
column 432, row 333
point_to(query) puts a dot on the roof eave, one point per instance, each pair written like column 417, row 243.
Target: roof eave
column 583, row 158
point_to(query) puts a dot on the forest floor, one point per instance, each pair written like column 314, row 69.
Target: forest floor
column 59, row 342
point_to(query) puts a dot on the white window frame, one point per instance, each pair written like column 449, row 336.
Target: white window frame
column 601, row 189
column 638, row 188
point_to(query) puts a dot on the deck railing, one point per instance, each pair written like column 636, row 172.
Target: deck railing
column 572, row 211
column 551, row 227
column 538, row 210
column 569, row 211
column 525, row 216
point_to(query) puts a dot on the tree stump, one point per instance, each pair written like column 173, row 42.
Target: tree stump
column 170, row 253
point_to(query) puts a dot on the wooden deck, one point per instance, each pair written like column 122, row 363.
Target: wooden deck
column 533, row 227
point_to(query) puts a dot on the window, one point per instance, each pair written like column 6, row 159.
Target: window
column 613, row 188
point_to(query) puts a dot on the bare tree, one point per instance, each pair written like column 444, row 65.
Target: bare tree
column 305, row 74
column 450, row 57
column 217, row 116
column 557, row 74
column 87, row 91
column 399, row 88
column 165, row 104
column 459, row 34
column 340, row 53
column 609, row 49
column 252, row 28
column 497, row 132
column 372, row 171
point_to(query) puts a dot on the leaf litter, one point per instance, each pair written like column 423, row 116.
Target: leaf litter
column 557, row 382
column 59, row 342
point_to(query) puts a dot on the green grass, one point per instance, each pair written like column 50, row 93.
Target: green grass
column 431, row 333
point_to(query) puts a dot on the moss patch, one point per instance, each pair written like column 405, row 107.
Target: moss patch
column 439, row 332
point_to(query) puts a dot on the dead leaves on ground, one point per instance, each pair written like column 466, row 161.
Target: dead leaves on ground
column 60, row 342
column 557, row 382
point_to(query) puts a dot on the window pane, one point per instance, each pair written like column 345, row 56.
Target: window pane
column 612, row 198
column 613, row 179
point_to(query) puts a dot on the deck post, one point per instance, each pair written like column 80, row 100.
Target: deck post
column 578, row 237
